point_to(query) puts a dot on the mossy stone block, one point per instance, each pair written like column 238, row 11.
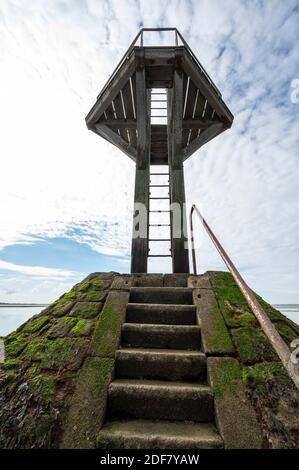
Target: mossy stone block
column 58, row 308
column 61, row 327
column 36, row 325
column 235, row 416
column 106, row 336
column 88, row 404
column 14, row 343
column 252, row 345
column 215, row 335
column 82, row 328
column 56, row 354
column 86, row 310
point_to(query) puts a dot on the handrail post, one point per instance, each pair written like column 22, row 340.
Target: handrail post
column 267, row 326
column 192, row 241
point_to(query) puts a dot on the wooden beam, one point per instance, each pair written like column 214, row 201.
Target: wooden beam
column 179, row 242
column 204, row 137
column 141, row 199
column 132, row 124
column 206, row 89
column 115, row 139
column 110, row 92
column 198, row 123
column 119, row 123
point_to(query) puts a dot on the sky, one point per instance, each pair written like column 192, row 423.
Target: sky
column 66, row 195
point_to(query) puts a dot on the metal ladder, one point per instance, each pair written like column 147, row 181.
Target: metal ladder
column 159, row 211
column 158, row 115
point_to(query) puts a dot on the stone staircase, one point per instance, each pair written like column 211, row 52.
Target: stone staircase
column 159, row 398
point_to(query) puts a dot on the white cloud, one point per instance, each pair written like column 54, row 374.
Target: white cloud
column 38, row 271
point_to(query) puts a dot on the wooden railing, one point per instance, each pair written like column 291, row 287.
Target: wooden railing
column 267, row 326
column 139, row 42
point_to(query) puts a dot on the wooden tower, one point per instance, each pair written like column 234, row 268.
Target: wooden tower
column 159, row 107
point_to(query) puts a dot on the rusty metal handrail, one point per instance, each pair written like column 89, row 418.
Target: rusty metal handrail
column 267, row 326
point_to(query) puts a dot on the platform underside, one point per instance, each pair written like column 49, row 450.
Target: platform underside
column 205, row 115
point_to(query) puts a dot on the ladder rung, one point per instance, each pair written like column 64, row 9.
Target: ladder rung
column 159, row 198
column 159, row 225
column 159, row 240
column 159, row 211
column 160, row 174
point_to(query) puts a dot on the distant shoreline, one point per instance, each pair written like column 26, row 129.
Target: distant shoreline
column 22, row 305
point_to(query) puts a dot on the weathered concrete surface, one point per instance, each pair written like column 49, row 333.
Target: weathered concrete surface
column 162, row 295
column 235, row 416
column 161, row 336
column 160, row 400
column 200, row 282
column 161, row 364
column 126, row 281
column 161, row 314
column 148, row 434
column 107, row 333
column 216, row 339
column 272, row 393
column 88, row 404
column 175, row 280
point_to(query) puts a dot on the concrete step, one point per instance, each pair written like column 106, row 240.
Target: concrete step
column 161, row 336
column 149, row 434
column 161, row 364
column 161, row 295
column 160, row 400
column 166, row 314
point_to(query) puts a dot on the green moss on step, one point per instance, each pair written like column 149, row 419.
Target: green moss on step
column 59, row 308
column 106, row 369
column 107, row 332
column 218, row 337
column 93, row 296
column 64, row 353
column 88, row 403
column 36, row 325
column 254, row 374
column 56, row 354
column 233, row 303
column 86, row 309
column 71, row 295
column 14, row 344
column 69, row 322
column 35, row 350
column 80, row 329
column 11, row 364
column 252, row 345
column 230, row 375
column 90, row 283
